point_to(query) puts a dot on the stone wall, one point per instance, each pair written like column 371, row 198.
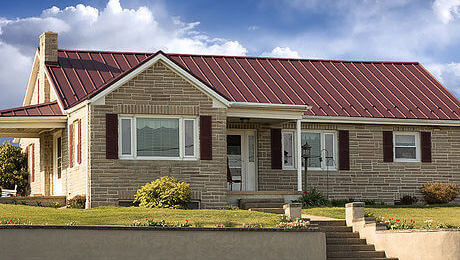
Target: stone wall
column 369, row 177
column 156, row 91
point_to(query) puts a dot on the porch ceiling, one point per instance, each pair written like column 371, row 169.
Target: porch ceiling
column 29, row 127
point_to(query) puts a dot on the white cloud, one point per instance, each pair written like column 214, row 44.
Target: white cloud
column 448, row 75
column 446, row 10
column 280, row 52
column 86, row 27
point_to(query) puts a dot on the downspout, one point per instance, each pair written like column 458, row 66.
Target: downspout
column 299, row 154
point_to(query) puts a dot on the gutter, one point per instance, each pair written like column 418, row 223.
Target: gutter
column 380, row 121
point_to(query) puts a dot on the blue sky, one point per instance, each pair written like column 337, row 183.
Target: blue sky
column 424, row 31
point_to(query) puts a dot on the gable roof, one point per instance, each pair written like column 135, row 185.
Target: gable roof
column 333, row 88
column 44, row 109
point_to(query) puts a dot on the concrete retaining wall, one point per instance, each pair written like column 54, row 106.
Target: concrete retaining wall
column 53, row 242
column 405, row 244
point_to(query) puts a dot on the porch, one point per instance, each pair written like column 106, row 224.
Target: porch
column 254, row 156
column 38, row 129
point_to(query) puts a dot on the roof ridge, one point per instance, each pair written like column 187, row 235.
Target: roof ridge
column 244, row 57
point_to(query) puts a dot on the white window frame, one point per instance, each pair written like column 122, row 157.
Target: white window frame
column 294, row 149
column 133, row 155
column 417, row 147
column 323, row 146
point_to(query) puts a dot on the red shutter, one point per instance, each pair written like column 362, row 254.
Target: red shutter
column 79, row 142
column 111, row 136
column 344, row 150
column 425, row 140
column 70, row 145
column 32, row 167
column 387, row 146
column 206, row 137
column 276, row 148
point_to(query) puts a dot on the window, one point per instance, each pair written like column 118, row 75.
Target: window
column 406, row 147
column 158, row 137
column 59, row 157
column 288, row 149
column 323, row 151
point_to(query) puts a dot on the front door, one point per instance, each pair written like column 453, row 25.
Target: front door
column 57, row 173
column 241, row 153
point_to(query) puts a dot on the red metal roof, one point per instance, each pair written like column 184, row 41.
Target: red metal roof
column 331, row 87
column 44, row 109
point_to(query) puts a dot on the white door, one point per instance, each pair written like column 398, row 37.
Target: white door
column 57, row 173
column 241, row 153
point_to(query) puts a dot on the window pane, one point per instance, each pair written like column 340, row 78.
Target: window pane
column 405, row 153
column 288, row 149
column 158, row 137
column 329, row 146
column 126, row 136
column 189, row 127
column 314, row 140
column 405, row 140
column 234, row 154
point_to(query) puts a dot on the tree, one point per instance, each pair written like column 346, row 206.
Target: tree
column 13, row 168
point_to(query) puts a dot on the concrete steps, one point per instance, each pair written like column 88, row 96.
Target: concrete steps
column 343, row 243
column 268, row 205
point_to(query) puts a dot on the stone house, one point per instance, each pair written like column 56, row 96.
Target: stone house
column 102, row 124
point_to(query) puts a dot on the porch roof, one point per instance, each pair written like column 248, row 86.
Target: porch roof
column 30, row 121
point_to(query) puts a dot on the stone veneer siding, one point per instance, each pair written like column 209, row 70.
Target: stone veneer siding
column 156, row 91
column 369, row 177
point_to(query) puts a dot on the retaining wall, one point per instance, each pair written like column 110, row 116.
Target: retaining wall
column 73, row 242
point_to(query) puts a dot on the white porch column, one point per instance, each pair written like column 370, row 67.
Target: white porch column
column 299, row 155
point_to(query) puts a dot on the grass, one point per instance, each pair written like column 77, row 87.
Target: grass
column 447, row 214
column 124, row 216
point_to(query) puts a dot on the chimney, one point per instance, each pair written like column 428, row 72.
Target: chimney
column 48, row 55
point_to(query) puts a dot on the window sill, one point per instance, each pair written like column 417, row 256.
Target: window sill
column 407, row 160
column 157, row 159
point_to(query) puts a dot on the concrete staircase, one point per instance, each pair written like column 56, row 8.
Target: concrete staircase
column 267, row 205
column 343, row 243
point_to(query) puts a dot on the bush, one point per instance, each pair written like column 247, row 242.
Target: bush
column 55, row 205
column 13, row 168
column 439, row 193
column 77, row 202
column 313, row 198
column 165, row 192
column 408, row 200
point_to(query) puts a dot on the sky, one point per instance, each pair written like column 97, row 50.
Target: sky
column 394, row 30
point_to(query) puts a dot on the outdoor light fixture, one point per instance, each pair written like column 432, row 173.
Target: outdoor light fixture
column 306, row 149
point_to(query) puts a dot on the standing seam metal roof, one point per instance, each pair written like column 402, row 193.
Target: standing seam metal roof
column 370, row 89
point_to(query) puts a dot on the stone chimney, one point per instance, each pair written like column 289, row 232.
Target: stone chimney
column 48, row 55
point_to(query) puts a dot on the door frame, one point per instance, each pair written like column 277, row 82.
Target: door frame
column 244, row 133
column 55, row 163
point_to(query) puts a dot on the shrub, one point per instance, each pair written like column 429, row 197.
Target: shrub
column 313, row 198
column 231, row 207
column 439, row 193
column 77, row 202
column 13, row 168
column 165, row 192
column 55, row 205
column 408, row 200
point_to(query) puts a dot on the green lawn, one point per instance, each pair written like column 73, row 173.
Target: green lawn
column 449, row 214
column 124, row 216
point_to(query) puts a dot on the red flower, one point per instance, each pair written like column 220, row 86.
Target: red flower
column 411, row 220
column 397, row 219
column 186, row 220
column 146, row 219
column 305, row 192
column 390, row 219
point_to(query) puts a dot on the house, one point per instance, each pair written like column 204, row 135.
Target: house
column 102, row 124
